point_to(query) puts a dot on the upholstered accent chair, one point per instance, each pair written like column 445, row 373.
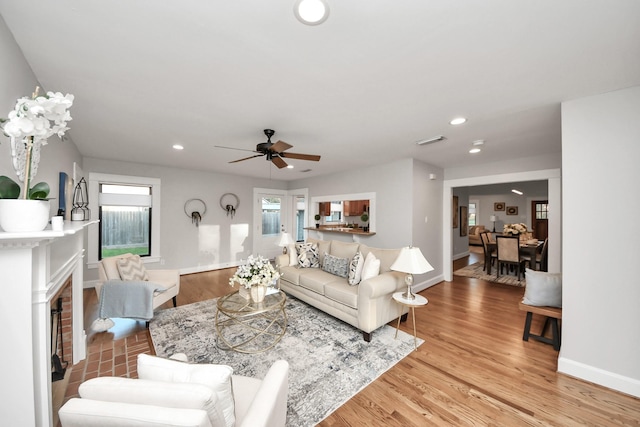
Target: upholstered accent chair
column 108, row 269
column 176, row 393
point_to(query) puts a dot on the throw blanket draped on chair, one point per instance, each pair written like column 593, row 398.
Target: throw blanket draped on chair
column 125, row 299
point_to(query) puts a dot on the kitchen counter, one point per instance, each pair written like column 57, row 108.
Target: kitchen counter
column 342, row 230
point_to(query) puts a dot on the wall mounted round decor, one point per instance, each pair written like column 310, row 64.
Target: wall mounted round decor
column 229, row 202
column 512, row 210
column 498, row 206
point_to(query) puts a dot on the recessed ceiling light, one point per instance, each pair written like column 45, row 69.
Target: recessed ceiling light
column 289, row 166
column 475, row 150
column 178, row 147
column 458, row 121
column 518, row 192
column 311, row 12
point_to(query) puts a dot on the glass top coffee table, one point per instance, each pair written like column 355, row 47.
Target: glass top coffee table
column 249, row 327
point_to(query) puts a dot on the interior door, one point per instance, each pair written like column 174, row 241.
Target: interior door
column 270, row 215
column 539, row 219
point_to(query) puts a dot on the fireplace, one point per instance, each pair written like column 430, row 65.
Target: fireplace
column 35, row 270
column 61, row 331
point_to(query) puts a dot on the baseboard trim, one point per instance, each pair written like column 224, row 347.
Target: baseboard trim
column 418, row 287
column 599, row 376
column 462, row 255
column 203, row 268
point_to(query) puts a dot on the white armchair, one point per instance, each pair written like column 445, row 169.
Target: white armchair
column 168, row 279
column 174, row 393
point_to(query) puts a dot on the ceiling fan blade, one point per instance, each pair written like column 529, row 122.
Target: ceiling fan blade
column 311, row 157
column 279, row 162
column 280, row 146
column 247, row 158
column 234, row 148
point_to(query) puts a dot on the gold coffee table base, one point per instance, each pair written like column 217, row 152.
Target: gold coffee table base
column 248, row 327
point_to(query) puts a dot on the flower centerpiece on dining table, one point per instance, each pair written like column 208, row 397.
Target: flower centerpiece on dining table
column 256, row 275
column 515, row 228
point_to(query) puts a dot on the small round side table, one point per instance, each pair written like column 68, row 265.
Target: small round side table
column 419, row 301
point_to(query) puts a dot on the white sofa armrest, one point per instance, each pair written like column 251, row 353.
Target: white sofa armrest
column 282, row 260
column 380, row 285
column 269, row 405
column 88, row 413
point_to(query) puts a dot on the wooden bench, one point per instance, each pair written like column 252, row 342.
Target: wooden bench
column 552, row 315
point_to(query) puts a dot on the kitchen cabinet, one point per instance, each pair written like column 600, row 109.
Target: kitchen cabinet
column 355, row 207
column 325, row 209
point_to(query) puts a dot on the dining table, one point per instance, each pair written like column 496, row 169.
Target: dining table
column 526, row 248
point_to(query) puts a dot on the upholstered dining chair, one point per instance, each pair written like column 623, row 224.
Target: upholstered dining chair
column 489, row 249
column 508, row 253
column 541, row 259
column 128, row 267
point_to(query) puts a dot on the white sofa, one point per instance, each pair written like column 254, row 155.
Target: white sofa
column 167, row 279
column 174, row 393
column 366, row 306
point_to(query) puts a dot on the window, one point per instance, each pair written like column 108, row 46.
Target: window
column 542, row 211
column 128, row 208
column 271, row 207
column 473, row 213
column 125, row 220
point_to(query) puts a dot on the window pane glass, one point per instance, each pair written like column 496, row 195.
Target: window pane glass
column 271, row 216
column 300, row 214
column 125, row 229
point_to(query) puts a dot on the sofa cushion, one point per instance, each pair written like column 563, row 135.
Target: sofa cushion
column 132, row 268
column 355, row 269
column 323, row 246
column 216, row 377
column 344, row 249
column 371, row 267
column 386, row 256
column 291, row 274
column 307, row 255
column 341, row 292
column 334, row 265
column 315, row 280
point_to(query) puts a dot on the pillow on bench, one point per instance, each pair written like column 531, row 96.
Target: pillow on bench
column 543, row 289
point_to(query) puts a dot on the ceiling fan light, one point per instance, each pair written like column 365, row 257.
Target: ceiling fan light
column 475, row 150
column 311, row 12
column 458, row 121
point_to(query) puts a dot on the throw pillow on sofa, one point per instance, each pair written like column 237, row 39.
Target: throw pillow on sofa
column 307, row 255
column 371, row 267
column 355, row 269
column 335, row 265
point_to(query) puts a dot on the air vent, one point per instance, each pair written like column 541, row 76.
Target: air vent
column 306, row 170
column 431, row 140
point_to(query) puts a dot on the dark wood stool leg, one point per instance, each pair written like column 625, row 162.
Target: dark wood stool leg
column 527, row 326
column 556, row 334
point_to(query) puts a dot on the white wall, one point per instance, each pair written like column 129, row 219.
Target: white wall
column 219, row 241
column 601, row 292
column 460, row 243
column 16, row 81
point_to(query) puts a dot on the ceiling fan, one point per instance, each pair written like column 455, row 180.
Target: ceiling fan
column 275, row 152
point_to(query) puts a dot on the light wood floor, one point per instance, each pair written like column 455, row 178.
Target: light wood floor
column 473, row 369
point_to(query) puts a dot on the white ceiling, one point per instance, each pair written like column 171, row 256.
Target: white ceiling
column 359, row 89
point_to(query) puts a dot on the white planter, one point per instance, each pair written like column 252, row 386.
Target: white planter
column 19, row 216
column 258, row 293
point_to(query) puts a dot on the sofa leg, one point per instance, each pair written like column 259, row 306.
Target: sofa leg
column 175, row 301
column 404, row 317
column 366, row 336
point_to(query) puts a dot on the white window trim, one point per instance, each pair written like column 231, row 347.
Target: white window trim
column 95, row 179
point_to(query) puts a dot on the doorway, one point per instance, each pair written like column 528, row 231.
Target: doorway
column 539, row 219
column 270, row 211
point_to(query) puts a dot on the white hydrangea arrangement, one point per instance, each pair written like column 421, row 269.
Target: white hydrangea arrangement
column 258, row 270
column 515, row 228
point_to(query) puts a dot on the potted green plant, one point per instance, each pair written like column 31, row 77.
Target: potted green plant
column 29, row 125
column 365, row 218
column 317, row 218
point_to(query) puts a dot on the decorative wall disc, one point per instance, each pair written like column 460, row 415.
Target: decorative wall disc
column 195, row 209
column 229, row 203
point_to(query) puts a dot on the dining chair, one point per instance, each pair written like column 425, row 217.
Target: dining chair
column 489, row 250
column 508, row 253
column 541, row 259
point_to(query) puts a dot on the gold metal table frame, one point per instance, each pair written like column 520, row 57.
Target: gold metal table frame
column 257, row 327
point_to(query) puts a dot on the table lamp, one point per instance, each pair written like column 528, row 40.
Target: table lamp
column 411, row 261
column 492, row 218
column 285, row 241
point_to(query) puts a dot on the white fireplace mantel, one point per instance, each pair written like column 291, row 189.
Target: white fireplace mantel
column 33, row 268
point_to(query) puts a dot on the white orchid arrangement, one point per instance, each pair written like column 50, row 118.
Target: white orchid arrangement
column 29, row 125
column 515, row 228
column 258, row 270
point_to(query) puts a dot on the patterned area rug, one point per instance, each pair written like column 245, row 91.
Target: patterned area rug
column 475, row 271
column 329, row 362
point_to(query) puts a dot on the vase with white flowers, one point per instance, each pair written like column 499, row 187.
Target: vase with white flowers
column 514, row 228
column 29, row 125
column 255, row 276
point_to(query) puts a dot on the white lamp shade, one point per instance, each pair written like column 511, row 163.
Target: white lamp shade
column 492, row 218
column 411, row 261
column 285, row 240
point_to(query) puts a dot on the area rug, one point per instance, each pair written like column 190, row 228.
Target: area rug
column 475, row 271
column 329, row 362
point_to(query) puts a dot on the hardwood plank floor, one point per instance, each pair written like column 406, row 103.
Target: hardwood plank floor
column 473, row 369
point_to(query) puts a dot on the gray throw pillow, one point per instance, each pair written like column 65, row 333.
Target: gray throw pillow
column 543, row 289
column 334, row 265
